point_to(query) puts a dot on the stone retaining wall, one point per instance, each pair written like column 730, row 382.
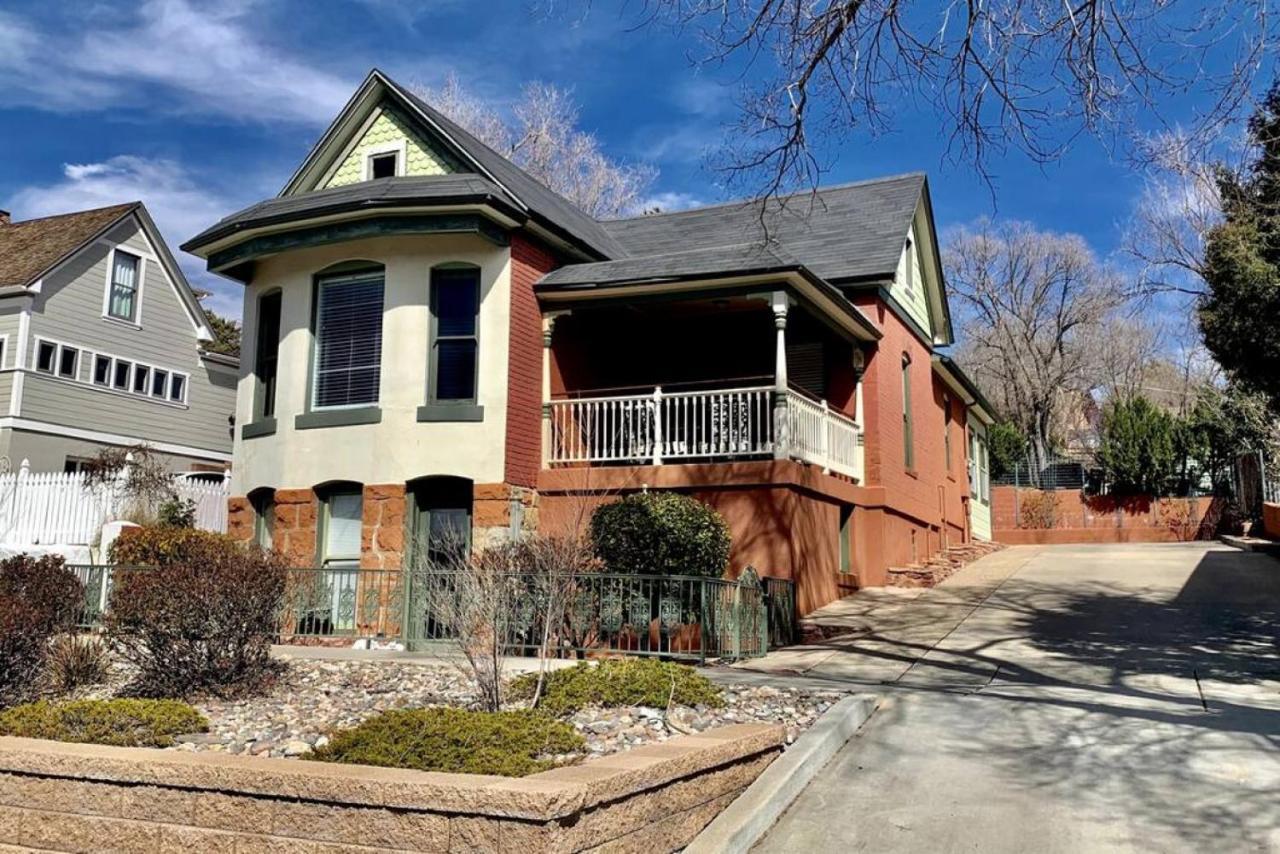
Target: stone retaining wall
column 70, row 797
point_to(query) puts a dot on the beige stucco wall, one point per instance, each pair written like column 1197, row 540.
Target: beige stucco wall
column 399, row 448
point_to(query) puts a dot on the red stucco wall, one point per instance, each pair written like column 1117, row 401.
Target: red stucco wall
column 1030, row 516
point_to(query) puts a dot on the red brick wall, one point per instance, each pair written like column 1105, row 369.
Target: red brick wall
column 1271, row 521
column 529, row 261
column 924, row 508
column 1070, row 516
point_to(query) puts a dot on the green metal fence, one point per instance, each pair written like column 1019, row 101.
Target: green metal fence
column 677, row 617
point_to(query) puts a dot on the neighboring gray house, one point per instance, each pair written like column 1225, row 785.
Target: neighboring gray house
column 102, row 342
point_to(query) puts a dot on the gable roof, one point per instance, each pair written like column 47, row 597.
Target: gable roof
column 33, row 247
column 535, row 199
column 844, row 233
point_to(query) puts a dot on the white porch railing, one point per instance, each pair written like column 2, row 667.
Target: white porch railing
column 825, row 438
column 721, row 424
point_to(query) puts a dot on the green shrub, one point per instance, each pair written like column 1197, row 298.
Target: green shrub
column 619, row 682
column 39, row 598
column 123, row 723
column 194, row 612
column 511, row 744
column 1138, row 447
column 661, row 533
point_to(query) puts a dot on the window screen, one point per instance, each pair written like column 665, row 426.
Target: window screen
column 348, row 336
column 455, row 309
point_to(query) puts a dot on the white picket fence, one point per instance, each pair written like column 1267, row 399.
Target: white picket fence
column 56, row 508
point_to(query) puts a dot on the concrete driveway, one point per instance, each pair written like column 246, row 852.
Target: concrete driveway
column 1046, row 699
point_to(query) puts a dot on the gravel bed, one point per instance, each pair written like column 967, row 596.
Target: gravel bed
column 313, row 698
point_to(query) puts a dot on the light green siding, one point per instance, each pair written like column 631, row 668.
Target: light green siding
column 389, row 127
column 978, row 458
column 908, row 288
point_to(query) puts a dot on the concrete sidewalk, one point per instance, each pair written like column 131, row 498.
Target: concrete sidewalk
column 884, row 632
column 1098, row 699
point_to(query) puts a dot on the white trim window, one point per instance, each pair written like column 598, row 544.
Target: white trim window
column 115, row 374
column 348, row 341
column 57, row 359
column 124, row 286
column 386, row 161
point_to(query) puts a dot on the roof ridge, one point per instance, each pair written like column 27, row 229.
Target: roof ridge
column 123, row 206
column 885, row 179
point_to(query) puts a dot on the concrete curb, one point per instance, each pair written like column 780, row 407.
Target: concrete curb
column 756, row 810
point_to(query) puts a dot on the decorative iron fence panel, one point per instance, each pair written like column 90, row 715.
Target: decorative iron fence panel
column 780, row 604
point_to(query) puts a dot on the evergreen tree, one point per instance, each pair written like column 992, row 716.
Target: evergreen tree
column 1139, row 449
column 1240, row 313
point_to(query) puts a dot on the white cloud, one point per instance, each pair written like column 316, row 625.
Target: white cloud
column 210, row 58
column 670, row 201
column 175, row 199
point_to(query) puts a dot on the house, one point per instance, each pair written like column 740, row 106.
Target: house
column 438, row 344
column 103, row 342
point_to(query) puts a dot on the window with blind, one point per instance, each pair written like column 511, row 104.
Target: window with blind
column 455, row 314
column 340, row 545
column 267, row 354
column 348, row 340
column 122, row 297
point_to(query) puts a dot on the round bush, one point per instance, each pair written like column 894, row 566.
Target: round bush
column 39, row 598
column 122, row 723
column 661, row 533
column 619, row 682
column 194, row 612
column 511, row 744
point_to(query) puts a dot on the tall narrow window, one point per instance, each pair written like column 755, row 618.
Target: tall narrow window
column 120, row 374
column 68, row 362
column 101, row 370
column 908, row 440
column 46, row 354
column 846, row 546
column 455, row 310
column 267, row 353
column 340, row 545
column 348, row 340
column 159, row 383
column 946, row 430
column 264, row 516
column 122, row 302
column 141, row 379
column 441, row 529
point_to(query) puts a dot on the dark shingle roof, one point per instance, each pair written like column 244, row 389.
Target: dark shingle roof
column 28, row 249
column 695, row 263
column 364, row 195
column 542, row 200
column 851, row 231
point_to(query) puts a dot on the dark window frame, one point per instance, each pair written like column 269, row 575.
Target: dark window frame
column 266, row 365
column 434, row 339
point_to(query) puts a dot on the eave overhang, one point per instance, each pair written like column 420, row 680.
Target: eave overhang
column 960, row 383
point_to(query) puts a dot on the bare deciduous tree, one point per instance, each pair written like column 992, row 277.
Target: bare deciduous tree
column 543, row 138
column 1030, row 306
column 1027, row 74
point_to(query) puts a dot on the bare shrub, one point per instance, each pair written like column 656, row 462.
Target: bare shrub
column 39, row 598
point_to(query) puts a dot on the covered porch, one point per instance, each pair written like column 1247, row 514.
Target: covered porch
column 701, row 377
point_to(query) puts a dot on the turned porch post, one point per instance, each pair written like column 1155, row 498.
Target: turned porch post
column 548, row 326
column 781, row 431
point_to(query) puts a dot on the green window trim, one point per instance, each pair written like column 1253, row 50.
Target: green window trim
column 453, row 346
column 267, row 355
column 346, row 377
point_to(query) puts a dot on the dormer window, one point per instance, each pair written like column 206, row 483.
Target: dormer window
column 383, row 165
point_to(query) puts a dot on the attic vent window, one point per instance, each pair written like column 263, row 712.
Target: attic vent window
column 383, row 165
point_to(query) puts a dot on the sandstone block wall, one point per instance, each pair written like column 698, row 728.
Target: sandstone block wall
column 66, row 797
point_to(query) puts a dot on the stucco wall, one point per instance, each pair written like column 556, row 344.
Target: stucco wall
column 70, row 797
column 399, row 448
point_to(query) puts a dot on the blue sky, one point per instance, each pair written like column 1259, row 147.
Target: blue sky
column 199, row 108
